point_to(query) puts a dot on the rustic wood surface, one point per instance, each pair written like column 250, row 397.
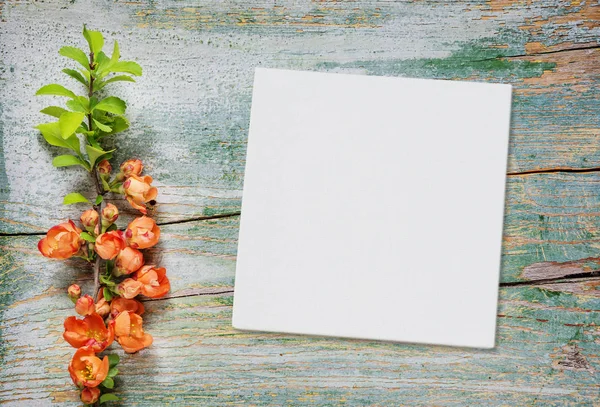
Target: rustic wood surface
column 189, row 115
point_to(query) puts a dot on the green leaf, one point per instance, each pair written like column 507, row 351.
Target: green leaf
column 113, row 360
column 102, row 127
column 55, row 89
column 87, row 237
column 74, row 197
column 111, row 104
column 68, row 160
column 108, row 397
column 69, row 122
column 126, row 67
column 52, row 134
column 107, row 296
column 119, row 78
column 75, row 75
column 75, row 54
column 116, row 54
column 54, row 111
column 95, row 154
column 99, row 200
column 109, row 383
column 112, row 227
column 79, row 104
column 103, row 64
column 119, row 124
column 94, row 39
column 113, row 371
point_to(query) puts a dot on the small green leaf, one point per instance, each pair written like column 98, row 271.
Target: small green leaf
column 69, row 122
column 75, row 54
column 94, row 39
column 119, row 78
column 54, row 111
column 109, row 383
column 116, row 54
column 113, row 360
column 119, row 124
column 102, row 127
column 113, row 371
column 108, row 397
column 112, row 227
column 74, row 197
column 52, row 134
column 99, row 200
column 55, row 90
column 95, row 154
column 68, row 160
column 75, row 75
column 87, row 237
column 107, row 296
column 111, row 104
column 126, row 67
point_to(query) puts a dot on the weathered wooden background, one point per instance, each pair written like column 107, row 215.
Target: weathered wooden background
column 190, row 114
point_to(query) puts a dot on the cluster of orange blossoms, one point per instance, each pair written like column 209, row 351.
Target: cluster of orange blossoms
column 115, row 313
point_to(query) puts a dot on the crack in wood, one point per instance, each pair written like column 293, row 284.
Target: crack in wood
column 533, row 54
column 194, row 292
column 554, row 170
column 568, row 278
column 171, row 222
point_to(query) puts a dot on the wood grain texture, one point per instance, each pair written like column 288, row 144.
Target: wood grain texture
column 190, row 114
column 547, row 351
column 190, row 110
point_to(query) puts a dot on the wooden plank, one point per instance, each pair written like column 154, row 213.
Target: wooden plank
column 547, row 352
column 190, row 110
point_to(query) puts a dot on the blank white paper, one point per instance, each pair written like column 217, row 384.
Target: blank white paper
column 373, row 208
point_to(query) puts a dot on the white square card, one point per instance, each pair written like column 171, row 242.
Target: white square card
column 373, row 208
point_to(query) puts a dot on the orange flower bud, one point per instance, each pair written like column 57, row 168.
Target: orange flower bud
column 121, row 304
column 138, row 191
column 61, row 242
column 131, row 167
column 128, row 261
column 110, row 213
column 86, row 369
column 129, row 288
column 90, row 395
column 104, row 167
column 109, row 244
column 142, row 233
column 89, row 331
column 129, row 332
column 102, row 307
column 89, row 220
column 154, row 281
column 74, row 292
column 85, row 305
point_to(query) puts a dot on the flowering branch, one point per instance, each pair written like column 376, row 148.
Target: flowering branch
column 111, row 312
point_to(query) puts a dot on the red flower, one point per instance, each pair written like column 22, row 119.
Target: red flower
column 129, row 332
column 154, row 281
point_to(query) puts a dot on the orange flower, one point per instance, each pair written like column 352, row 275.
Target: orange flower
column 90, row 395
column 102, row 307
column 89, row 220
column 129, row 288
column 86, row 369
column 61, row 242
column 110, row 213
column 131, row 167
column 104, row 167
column 120, row 304
column 138, row 191
column 109, row 244
column 154, row 281
column 129, row 332
column 89, row 331
column 128, row 261
column 142, row 233
column 74, row 292
column 85, row 305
